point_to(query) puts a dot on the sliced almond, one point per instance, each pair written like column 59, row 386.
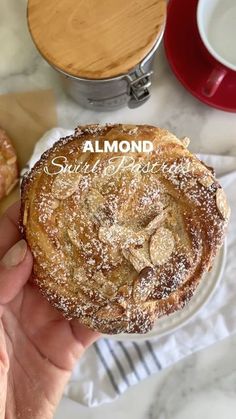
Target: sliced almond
column 94, row 200
column 115, row 256
column 55, row 204
column 98, row 288
column 161, row 246
column 132, row 129
column 25, row 216
column 137, row 258
column 144, row 284
column 65, row 185
column 103, row 217
column 222, row 204
column 155, row 223
column 74, row 237
column 185, row 141
column 128, row 127
column 120, row 235
column 107, row 287
column 111, row 311
column 11, row 161
column 206, row 181
column 133, row 239
column 110, row 235
column 201, row 170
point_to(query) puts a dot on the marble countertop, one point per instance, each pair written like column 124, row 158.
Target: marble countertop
column 204, row 384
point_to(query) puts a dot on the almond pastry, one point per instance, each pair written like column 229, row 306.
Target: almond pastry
column 134, row 243
column 8, row 165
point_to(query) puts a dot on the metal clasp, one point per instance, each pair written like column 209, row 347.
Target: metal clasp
column 139, row 82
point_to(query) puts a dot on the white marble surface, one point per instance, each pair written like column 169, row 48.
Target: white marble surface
column 204, row 385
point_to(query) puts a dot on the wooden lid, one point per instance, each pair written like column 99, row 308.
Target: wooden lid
column 95, row 39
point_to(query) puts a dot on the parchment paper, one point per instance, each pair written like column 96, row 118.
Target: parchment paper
column 25, row 117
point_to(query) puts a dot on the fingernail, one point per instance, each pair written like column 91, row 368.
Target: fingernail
column 15, row 255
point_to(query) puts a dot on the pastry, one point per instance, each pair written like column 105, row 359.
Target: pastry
column 121, row 238
column 8, row 165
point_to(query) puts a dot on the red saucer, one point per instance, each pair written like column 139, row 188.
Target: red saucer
column 188, row 57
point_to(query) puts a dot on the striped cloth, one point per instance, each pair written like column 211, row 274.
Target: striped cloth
column 109, row 367
column 131, row 362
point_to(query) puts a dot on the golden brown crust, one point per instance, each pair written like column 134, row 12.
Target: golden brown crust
column 8, row 165
column 118, row 251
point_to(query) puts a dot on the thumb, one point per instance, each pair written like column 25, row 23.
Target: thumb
column 15, row 269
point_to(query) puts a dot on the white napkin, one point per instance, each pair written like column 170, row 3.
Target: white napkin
column 110, row 367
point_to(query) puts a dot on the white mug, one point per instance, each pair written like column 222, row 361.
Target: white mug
column 216, row 20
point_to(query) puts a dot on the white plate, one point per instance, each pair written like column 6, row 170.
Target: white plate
column 168, row 324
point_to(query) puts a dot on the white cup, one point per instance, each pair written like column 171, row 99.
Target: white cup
column 216, row 20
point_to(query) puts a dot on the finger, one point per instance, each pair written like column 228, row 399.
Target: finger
column 9, row 229
column 83, row 334
column 4, row 368
column 15, row 269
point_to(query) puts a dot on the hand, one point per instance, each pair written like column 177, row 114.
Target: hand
column 38, row 347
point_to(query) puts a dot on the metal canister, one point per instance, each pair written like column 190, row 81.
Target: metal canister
column 99, row 92
column 132, row 89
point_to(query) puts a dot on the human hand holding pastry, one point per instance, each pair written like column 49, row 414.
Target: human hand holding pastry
column 38, row 347
column 113, row 252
